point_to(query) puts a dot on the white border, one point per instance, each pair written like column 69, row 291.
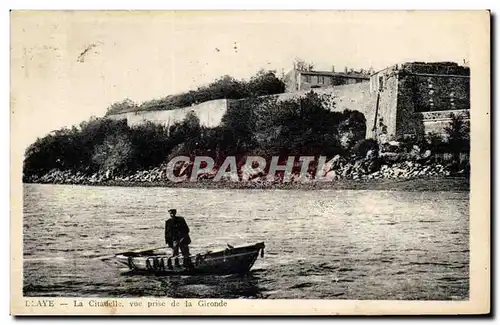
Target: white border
column 145, row 4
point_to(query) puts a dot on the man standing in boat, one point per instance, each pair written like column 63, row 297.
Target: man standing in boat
column 177, row 234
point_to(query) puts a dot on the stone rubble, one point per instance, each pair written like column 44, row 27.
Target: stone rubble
column 362, row 169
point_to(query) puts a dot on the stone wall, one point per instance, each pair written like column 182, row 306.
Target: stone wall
column 440, row 93
column 352, row 97
column 444, row 115
column 420, row 96
column 210, row 114
column 436, row 122
column 290, row 80
column 385, row 123
column 409, row 122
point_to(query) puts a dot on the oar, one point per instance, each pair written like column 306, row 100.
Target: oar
column 145, row 250
column 105, row 258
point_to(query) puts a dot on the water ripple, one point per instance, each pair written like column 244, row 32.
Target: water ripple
column 319, row 244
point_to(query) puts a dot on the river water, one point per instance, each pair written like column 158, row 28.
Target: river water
column 319, row 244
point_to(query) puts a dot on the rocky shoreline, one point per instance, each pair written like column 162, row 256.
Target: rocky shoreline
column 363, row 174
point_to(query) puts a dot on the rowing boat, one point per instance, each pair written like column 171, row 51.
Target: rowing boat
column 232, row 260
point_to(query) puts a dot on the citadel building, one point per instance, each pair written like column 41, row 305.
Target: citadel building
column 408, row 99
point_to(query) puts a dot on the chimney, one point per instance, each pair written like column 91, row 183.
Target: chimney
column 333, row 68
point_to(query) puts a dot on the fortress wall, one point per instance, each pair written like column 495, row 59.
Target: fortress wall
column 400, row 98
column 425, row 102
column 352, row 97
column 210, row 114
column 436, row 122
column 385, row 122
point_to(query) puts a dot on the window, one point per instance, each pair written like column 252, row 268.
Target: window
column 380, row 82
column 321, row 79
column 307, row 78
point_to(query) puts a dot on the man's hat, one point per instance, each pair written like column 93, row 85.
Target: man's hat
column 172, row 210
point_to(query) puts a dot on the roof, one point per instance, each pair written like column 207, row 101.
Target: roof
column 415, row 66
column 336, row 74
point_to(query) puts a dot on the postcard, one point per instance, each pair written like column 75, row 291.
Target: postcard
column 250, row 162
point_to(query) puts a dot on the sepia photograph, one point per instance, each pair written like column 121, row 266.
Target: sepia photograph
column 194, row 162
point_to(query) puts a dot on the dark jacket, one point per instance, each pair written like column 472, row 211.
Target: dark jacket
column 176, row 229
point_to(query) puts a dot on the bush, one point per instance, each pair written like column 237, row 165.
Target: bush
column 362, row 147
column 263, row 83
column 98, row 144
column 301, row 126
column 126, row 105
column 151, row 145
column 114, row 153
column 458, row 134
column 352, row 128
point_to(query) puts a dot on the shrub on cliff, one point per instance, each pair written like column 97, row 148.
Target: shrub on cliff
column 70, row 149
column 263, row 83
column 188, row 131
column 98, row 144
column 57, row 150
column 92, row 134
column 125, row 105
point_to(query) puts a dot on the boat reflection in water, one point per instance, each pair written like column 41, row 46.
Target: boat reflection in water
column 212, row 286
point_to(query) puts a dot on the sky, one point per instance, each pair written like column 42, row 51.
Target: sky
column 69, row 66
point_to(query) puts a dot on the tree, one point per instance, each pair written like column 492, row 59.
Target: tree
column 265, row 83
column 434, row 141
column 302, row 65
column 151, row 145
column 191, row 124
column 458, row 134
column 352, row 128
column 298, row 126
column 187, row 132
column 114, row 153
column 225, row 87
column 125, row 105
column 237, row 130
column 362, row 147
